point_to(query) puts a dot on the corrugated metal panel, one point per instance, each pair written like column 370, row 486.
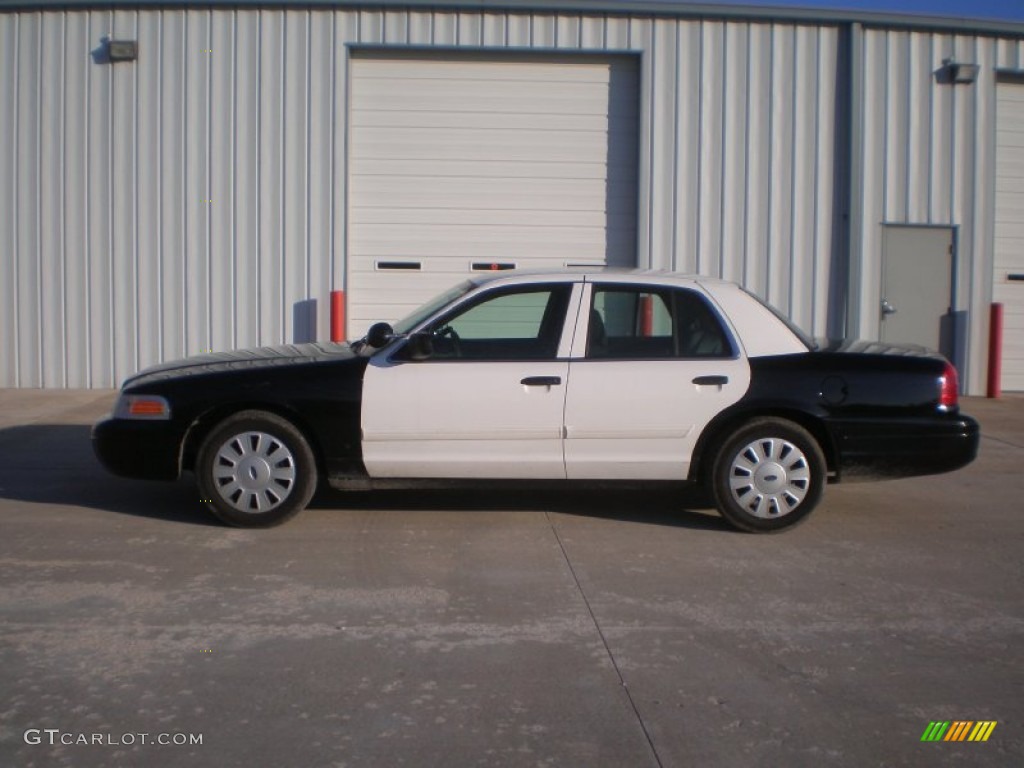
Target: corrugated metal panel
column 113, row 259
column 9, row 94
column 929, row 159
column 682, row 10
column 741, row 131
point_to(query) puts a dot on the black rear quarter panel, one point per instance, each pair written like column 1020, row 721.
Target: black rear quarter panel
column 873, row 408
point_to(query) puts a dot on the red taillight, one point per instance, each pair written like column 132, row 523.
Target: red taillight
column 949, row 387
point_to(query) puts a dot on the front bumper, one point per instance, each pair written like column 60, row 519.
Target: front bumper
column 149, row 450
column 905, row 447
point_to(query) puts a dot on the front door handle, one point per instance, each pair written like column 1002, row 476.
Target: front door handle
column 710, row 381
column 887, row 308
column 541, row 381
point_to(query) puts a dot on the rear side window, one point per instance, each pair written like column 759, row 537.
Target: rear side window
column 644, row 323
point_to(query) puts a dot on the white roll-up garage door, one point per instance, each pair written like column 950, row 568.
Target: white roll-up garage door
column 1008, row 277
column 464, row 162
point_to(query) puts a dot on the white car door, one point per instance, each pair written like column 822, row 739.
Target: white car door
column 488, row 402
column 651, row 369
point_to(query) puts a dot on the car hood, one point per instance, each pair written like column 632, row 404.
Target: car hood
column 244, row 359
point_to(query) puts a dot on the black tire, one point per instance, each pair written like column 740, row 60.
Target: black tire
column 786, row 471
column 273, row 475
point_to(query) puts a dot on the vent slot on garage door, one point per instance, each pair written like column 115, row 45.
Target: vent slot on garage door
column 400, row 266
column 462, row 161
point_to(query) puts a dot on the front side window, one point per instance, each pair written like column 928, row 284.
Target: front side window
column 640, row 323
column 523, row 324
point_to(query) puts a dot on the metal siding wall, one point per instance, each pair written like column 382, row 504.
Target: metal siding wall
column 216, row 60
column 758, row 151
column 320, row 186
column 113, row 261
column 245, row 63
column 661, row 144
column 981, row 264
column 9, row 84
column 27, row 193
column 171, row 187
column 294, row 168
column 713, row 124
column 51, row 199
column 929, row 159
column 77, row 300
column 735, row 154
column 811, row 287
column 190, row 200
column 738, row 137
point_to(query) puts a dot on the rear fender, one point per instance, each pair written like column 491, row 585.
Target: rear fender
column 810, row 418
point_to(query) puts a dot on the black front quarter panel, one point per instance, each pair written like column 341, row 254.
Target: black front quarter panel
column 321, row 398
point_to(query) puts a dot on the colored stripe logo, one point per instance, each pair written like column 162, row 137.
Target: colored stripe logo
column 958, row 730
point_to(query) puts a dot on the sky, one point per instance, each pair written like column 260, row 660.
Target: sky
column 1009, row 10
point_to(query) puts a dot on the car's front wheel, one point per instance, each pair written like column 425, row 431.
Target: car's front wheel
column 768, row 475
column 255, row 470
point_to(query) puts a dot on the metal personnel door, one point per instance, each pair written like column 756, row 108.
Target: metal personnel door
column 917, row 284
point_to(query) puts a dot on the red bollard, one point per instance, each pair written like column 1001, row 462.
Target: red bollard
column 646, row 316
column 337, row 315
column 995, row 351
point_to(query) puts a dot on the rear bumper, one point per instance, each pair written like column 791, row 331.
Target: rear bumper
column 149, row 450
column 905, row 447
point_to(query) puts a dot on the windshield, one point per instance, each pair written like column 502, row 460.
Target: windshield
column 797, row 330
column 406, row 324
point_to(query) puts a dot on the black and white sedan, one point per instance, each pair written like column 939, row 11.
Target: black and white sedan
column 595, row 377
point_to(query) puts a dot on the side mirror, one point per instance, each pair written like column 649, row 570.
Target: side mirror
column 379, row 335
column 420, row 346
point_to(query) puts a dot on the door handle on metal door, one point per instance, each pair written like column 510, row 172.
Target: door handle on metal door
column 541, row 381
column 887, row 308
column 709, row 381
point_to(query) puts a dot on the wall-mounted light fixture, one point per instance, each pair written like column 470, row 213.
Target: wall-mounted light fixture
column 959, row 72
column 121, row 50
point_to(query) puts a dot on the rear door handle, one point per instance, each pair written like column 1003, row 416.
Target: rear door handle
column 710, row 381
column 541, row 381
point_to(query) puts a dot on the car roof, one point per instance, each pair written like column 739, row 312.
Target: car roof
column 596, row 274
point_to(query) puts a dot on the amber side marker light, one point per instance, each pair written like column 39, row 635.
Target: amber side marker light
column 142, row 407
column 146, row 408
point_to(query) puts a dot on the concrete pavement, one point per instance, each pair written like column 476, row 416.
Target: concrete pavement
column 531, row 629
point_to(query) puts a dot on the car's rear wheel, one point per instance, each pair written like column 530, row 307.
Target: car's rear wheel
column 768, row 475
column 256, row 470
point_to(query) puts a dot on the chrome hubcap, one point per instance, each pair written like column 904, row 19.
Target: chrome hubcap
column 769, row 477
column 254, row 472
